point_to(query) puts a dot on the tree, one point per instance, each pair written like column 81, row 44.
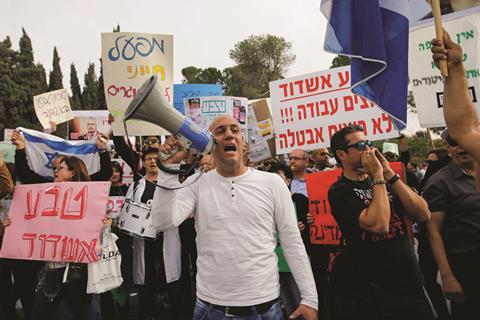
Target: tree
column 9, row 90
column 340, row 61
column 260, row 59
column 56, row 77
column 31, row 79
column 90, row 90
column 102, row 103
column 76, row 101
column 196, row 75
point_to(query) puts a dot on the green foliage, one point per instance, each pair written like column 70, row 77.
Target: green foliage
column 76, row 101
column 259, row 60
column 102, row 103
column 90, row 90
column 56, row 77
column 340, row 61
column 197, row 75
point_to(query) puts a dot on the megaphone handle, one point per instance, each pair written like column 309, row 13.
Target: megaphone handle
column 166, row 156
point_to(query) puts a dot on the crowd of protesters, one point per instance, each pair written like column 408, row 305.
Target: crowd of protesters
column 233, row 236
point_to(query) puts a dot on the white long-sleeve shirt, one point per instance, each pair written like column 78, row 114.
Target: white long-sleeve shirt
column 236, row 220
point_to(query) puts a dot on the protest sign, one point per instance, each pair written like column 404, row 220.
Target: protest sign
column 390, row 147
column 324, row 229
column 203, row 110
column 426, row 81
column 88, row 124
column 52, row 106
column 260, row 131
column 193, row 90
column 7, row 135
column 128, row 59
column 56, row 221
column 8, row 152
column 308, row 109
column 114, row 206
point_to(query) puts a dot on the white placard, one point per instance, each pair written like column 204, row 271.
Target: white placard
column 128, row 59
column 52, row 106
column 308, row 109
column 426, row 81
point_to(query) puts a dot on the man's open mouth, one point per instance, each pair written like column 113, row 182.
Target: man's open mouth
column 230, row 147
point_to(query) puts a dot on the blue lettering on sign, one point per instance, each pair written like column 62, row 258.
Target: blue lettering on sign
column 128, row 48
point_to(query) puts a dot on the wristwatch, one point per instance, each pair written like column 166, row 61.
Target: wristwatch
column 393, row 179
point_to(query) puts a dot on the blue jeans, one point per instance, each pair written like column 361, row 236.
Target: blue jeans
column 205, row 312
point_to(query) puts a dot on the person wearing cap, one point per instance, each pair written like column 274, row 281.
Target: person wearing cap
column 454, row 230
column 147, row 254
column 458, row 109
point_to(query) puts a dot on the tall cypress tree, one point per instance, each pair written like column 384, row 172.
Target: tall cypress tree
column 9, row 90
column 102, row 103
column 56, row 77
column 31, row 78
column 90, row 91
column 76, row 101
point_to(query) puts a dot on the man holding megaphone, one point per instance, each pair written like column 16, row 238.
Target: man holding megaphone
column 238, row 211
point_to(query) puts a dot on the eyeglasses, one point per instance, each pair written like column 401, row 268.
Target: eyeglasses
column 360, row 145
column 58, row 168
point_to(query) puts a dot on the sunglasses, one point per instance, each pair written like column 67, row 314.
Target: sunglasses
column 58, row 168
column 360, row 145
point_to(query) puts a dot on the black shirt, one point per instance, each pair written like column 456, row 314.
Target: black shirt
column 386, row 260
column 453, row 191
column 118, row 191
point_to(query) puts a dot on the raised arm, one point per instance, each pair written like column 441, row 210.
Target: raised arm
column 459, row 111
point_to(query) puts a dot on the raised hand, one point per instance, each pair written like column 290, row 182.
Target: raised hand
column 174, row 149
column 18, row 140
column 448, row 50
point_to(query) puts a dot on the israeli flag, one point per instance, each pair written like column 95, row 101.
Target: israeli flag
column 42, row 148
column 374, row 34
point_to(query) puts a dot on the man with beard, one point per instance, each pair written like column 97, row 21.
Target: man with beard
column 238, row 210
column 454, row 231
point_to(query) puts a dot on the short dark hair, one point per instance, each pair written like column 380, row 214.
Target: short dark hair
column 279, row 166
column 338, row 141
column 148, row 150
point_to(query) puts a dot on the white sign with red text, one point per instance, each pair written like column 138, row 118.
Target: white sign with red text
column 308, row 109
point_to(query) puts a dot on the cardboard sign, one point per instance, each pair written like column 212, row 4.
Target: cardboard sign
column 52, row 106
column 192, row 90
column 114, row 206
column 204, row 109
column 56, row 221
column 307, row 110
column 128, row 59
column 324, row 229
column 88, row 124
column 8, row 152
column 260, row 131
column 427, row 83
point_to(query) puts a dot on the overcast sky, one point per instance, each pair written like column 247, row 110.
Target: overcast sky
column 204, row 30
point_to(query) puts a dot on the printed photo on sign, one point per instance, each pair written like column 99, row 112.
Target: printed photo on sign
column 193, row 90
column 87, row 125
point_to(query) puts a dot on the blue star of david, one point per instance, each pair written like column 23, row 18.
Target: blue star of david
column 50, row 157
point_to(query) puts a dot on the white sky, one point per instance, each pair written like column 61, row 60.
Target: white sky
column 204, row 30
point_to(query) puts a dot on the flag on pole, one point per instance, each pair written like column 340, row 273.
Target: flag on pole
column 42, row 148
column 374, row 34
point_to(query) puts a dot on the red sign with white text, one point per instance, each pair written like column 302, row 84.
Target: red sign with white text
column 56, row 222
column 324, row 229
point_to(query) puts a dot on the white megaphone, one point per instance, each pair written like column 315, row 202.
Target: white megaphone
column 151, row 106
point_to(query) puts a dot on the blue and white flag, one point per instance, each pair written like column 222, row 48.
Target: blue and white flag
column 374, row 34
column 42, row 148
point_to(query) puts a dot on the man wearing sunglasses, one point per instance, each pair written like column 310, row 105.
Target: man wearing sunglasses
column 454, row 230
column 376, row 275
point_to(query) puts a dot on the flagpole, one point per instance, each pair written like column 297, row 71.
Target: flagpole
column 430, row 138
column 437, row 16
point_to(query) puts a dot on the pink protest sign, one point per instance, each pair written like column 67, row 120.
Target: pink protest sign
column 56, row 221
column 114, row 206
